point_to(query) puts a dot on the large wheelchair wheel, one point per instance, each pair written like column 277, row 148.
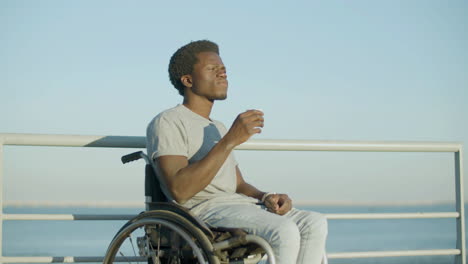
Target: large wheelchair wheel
column 160, row 237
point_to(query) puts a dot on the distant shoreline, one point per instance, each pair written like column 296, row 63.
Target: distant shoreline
column 140, row 204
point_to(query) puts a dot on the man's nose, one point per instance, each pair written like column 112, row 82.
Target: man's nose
column 222, row 74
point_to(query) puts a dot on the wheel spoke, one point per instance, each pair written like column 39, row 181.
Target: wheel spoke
column 124, row 256
column 133, row 246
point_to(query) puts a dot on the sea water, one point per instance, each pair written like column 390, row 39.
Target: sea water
column 91, row 238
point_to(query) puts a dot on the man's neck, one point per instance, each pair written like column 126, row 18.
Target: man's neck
column 200, row 107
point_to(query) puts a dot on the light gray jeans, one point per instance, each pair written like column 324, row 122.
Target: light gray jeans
column 297, row 237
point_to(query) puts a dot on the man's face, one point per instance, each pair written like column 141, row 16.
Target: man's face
column 209, row 77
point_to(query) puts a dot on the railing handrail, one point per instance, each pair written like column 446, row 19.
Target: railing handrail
column 256, row 144
column 253, row 144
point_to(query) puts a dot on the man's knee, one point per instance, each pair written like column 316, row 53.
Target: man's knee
column 286, row 233
column 284, row 237
column 317, row 224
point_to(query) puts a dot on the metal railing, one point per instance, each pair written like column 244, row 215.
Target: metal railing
column 279, row 145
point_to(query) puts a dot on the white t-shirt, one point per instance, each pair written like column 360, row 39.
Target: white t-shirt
column 179, row 131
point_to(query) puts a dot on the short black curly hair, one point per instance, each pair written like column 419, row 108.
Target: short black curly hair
column 184, row 58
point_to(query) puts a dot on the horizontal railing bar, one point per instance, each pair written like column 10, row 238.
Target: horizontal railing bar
column 254, row 144
column 338, row 255
column 84, row 204
column 67, row 259
column 73, row 140
column 394, row 215
column 128, row 216
column 67, row 217
column 405, row 253
column 140, row 204
column 322, row 145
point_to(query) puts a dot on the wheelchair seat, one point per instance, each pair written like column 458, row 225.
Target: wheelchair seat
column 169, row 233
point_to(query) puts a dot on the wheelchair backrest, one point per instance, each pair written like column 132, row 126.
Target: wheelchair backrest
column 153, row 190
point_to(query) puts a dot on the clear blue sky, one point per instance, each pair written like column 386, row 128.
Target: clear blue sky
column 322, row 70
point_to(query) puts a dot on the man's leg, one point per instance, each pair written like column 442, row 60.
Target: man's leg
column 313, row 230
column 281, row 232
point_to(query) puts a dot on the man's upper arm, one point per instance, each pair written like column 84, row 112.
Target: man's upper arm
column 170, row 165
column 167, row 145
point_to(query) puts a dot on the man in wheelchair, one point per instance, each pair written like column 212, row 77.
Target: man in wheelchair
column 192, row 156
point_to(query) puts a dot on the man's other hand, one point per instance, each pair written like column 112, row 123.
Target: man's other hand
column 278, row 203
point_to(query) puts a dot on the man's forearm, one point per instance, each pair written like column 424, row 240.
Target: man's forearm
column 249, row 190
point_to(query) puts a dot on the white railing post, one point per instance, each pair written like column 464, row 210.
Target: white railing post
column 1, row 197
column 459, row 189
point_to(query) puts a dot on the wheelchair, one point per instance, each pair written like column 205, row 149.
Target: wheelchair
column 167, row 233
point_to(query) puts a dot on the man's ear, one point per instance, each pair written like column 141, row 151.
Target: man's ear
column 186, row 80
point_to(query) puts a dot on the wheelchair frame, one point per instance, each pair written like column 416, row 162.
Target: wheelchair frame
column 174, row 235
